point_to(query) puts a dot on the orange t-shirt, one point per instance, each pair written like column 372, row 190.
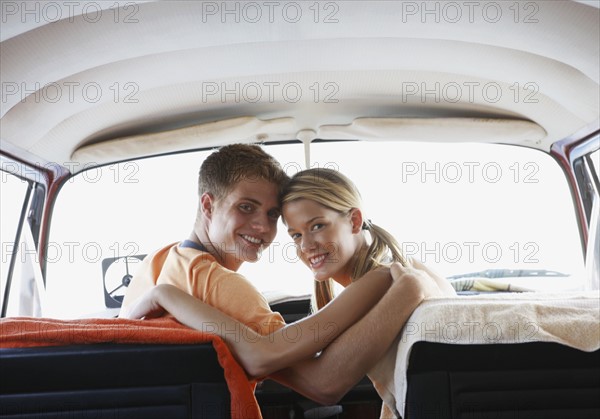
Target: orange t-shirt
column 198, row 273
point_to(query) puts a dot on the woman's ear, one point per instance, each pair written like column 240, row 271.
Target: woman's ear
column 207, row 204
column 356, row 219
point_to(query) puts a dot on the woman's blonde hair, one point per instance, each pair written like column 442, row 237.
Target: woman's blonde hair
column 335, row 191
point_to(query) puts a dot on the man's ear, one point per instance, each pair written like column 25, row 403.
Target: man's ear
column 207, row 203
column 356, row 218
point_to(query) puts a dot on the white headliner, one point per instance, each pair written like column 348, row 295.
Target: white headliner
column 372, row 58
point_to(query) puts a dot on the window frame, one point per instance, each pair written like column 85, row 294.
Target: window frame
column 567, row 152
column 34, row 210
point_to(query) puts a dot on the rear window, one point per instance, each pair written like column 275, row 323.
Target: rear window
column 460, row 209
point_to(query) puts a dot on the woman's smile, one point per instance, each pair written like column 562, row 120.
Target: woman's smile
column 324, row 238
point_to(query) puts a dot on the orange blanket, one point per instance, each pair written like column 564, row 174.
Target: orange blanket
column 24, row 332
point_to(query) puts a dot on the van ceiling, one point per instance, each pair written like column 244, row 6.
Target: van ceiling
column 78, row 76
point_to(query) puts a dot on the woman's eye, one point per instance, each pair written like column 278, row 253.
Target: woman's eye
column 317, row 227
column 295, row 236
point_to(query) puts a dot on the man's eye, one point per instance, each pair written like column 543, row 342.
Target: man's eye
column 274, row 215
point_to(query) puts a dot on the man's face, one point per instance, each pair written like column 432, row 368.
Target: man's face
column 244, row 222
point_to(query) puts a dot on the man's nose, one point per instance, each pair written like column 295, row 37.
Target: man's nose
column 261, row 223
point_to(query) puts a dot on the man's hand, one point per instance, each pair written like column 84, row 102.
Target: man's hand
column 422, row 279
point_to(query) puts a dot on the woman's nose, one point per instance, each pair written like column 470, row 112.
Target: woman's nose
column 307, row 243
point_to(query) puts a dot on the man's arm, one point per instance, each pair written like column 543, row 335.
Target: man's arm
column 262, row 355
column 343, row 363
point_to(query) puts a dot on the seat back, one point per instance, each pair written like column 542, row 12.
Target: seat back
column 113, row 381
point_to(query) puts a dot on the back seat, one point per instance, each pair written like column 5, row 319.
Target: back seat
column 536, row 380
column 113, row 381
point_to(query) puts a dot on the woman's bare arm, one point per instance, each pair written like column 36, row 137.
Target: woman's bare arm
column 262, row 355
column 343, row 363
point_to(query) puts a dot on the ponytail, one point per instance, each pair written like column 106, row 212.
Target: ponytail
column 377, row 254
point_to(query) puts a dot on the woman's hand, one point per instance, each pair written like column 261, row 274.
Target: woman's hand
column 147, row 306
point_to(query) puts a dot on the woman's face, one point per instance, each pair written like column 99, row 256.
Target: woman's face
column 326, row 240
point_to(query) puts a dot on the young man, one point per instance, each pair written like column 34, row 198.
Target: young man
column 238, row 188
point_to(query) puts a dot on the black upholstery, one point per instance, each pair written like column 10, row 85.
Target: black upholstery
column 529, row 380
column 292, row 311
column 113, row 381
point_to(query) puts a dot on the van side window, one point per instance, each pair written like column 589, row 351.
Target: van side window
column 13, row 206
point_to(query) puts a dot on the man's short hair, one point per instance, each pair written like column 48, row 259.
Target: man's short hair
column 224, row 168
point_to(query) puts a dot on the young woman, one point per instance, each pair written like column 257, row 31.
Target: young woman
column 322, row 210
